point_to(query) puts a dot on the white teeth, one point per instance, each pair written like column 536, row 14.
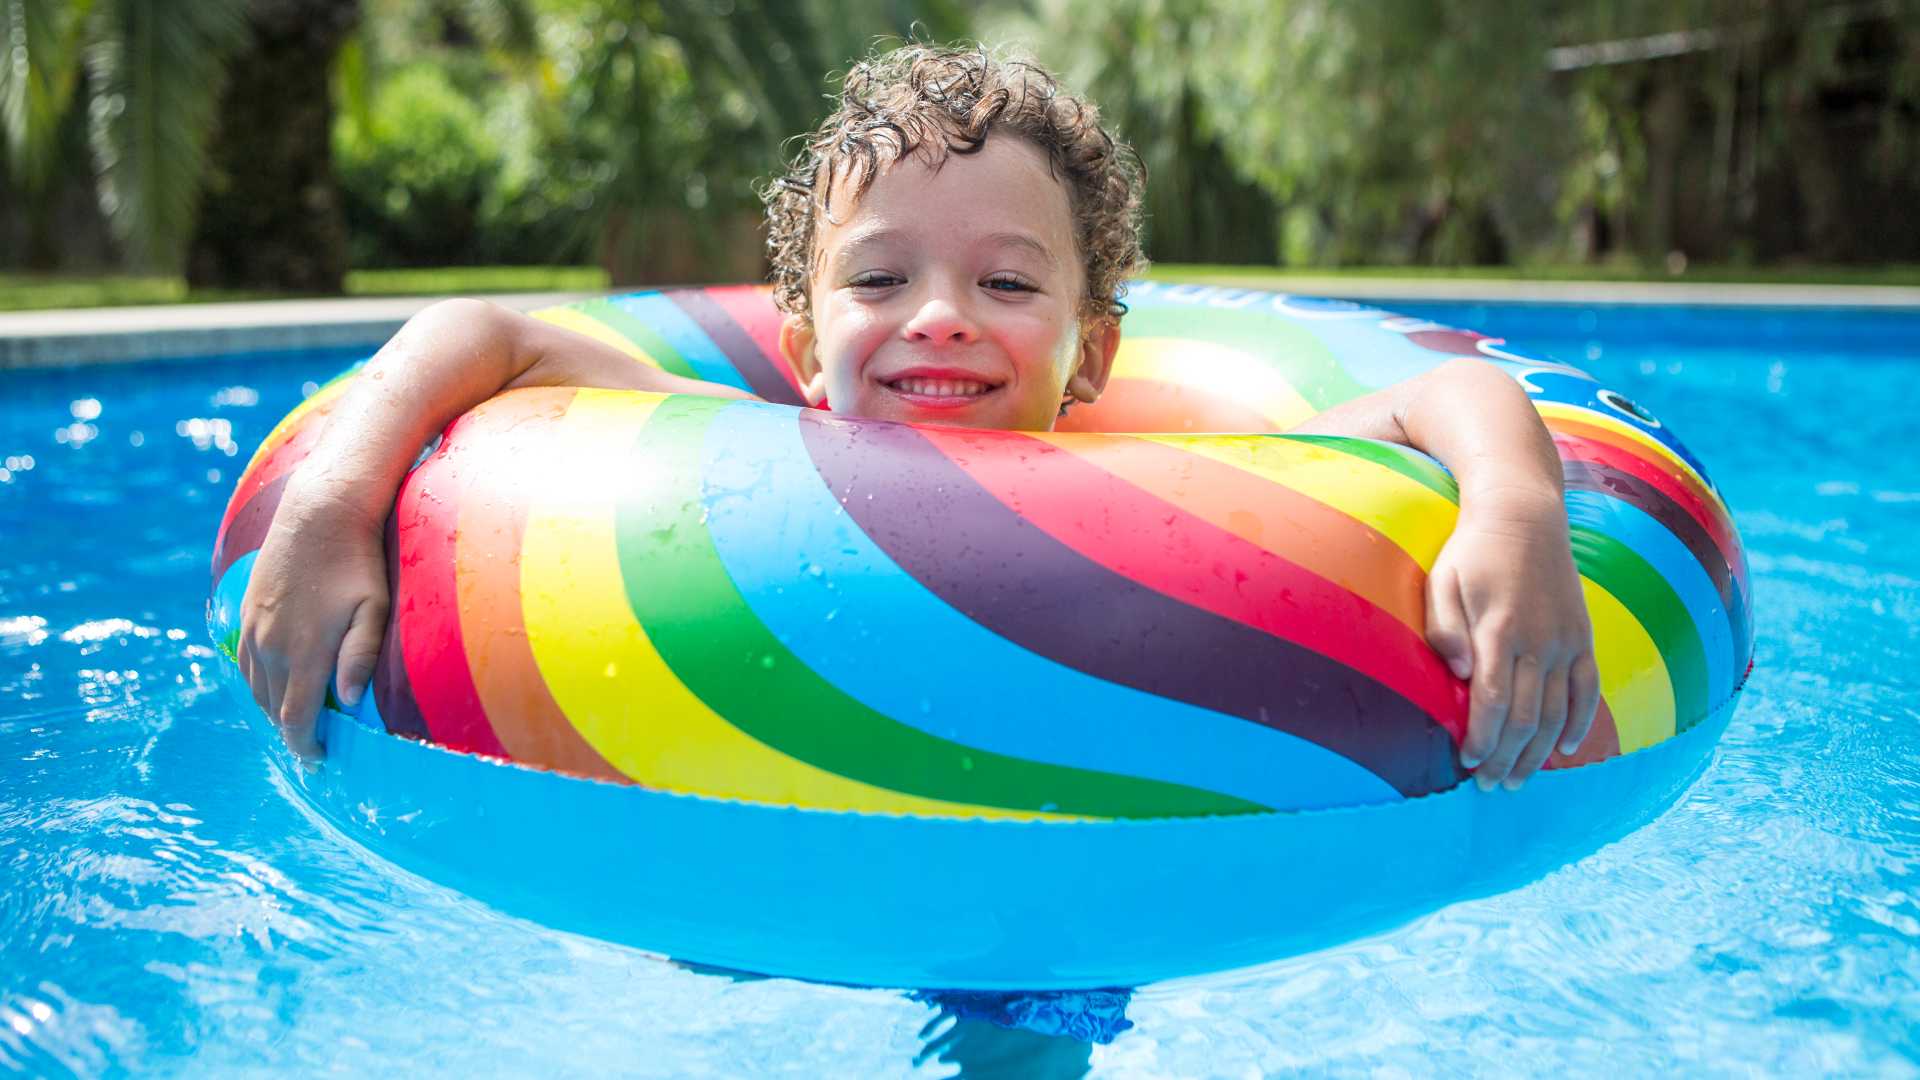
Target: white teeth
column 940, row 387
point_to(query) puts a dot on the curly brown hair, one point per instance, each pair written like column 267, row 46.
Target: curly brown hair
column 933, row 101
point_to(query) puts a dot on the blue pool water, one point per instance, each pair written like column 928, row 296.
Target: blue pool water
column 167, row 907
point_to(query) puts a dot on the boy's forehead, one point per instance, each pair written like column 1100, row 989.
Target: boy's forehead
column 1007, row 179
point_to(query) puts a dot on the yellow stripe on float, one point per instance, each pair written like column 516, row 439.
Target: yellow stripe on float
column 1221, row 370
column 1402, row 509
column 605, row 674
column 1633, row 677
column 580, row 322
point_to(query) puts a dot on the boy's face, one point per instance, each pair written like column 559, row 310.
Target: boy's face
column 952, row 296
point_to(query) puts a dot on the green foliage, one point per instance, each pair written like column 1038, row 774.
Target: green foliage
column 416, row 176
column 678, row 107
column 1395, row 130
column 149, row 80
column 1140, row 61
column 40, row 43
column 1311, row 132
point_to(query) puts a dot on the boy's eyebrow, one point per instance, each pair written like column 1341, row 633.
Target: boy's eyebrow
column 877, row 236
column 1027, row 242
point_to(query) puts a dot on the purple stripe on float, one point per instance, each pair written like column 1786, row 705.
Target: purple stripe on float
column 983, row 559
column 392, row 690
column 740, row 349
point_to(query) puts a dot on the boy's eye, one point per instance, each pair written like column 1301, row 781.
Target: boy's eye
column 1009, row 283
column 875, row 279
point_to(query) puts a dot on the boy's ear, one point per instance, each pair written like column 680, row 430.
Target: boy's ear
column 1098, row 344
column 796, row 345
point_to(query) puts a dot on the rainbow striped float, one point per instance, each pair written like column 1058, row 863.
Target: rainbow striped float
column 755, row 686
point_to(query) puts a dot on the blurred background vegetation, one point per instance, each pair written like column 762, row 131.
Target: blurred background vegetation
column 278, row 146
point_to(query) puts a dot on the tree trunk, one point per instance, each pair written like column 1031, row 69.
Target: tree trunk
column 271, row 215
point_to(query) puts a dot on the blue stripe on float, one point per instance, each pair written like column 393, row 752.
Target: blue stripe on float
column 223, row 614
column 1647, row 538
column 686, row 337
column 851, row 614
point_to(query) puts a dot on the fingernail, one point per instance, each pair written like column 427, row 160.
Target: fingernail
column 1569, row 749
column 1461, row 668
column 1510, row 784
column 1469, row 762
column 1485, row 783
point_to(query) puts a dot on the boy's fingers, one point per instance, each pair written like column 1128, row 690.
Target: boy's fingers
column 298, row 707
column 1447, row 624
column 1553, row 720
column 360, row 651
column 1492, row 698
column 243, row 659
column 1583, row 693
column 276, row 681
column 1521, row 721
column 299, row 737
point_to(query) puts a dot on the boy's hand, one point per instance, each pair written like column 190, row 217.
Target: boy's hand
column 1504, row 607
column 315, row 611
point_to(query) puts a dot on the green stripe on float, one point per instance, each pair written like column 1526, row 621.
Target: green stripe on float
column 642, row 335
column 1419, row 469
column 701, row 625
column 1636, row 584
column 1300, row 356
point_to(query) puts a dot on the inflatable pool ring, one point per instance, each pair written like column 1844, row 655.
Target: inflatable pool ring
column 755, row 686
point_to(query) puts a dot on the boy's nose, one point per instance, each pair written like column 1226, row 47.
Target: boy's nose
column 939, row 319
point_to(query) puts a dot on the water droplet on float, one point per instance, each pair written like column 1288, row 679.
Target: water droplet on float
column 613, row 670
column 925, row 706
column 966, row 764
column 767, row 661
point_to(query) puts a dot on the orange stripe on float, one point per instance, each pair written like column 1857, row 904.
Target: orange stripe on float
column 493, row 519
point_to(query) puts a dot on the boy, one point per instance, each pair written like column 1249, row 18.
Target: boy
column 949, row 249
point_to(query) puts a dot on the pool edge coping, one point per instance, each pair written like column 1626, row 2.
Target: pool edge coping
column 90, row 336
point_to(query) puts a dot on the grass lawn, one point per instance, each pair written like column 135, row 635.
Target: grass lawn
column 1275, row 276
column 21, row 292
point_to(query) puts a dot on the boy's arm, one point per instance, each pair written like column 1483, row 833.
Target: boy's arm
column 316, row 606
column 1504, row 604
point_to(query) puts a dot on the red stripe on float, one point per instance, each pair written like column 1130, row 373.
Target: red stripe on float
column 279, row 462
column 426, row 597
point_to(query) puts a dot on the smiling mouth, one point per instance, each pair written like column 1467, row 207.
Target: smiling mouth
column 924, row 390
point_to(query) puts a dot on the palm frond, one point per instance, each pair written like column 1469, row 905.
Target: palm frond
column 156, row 78
column 40, row 66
